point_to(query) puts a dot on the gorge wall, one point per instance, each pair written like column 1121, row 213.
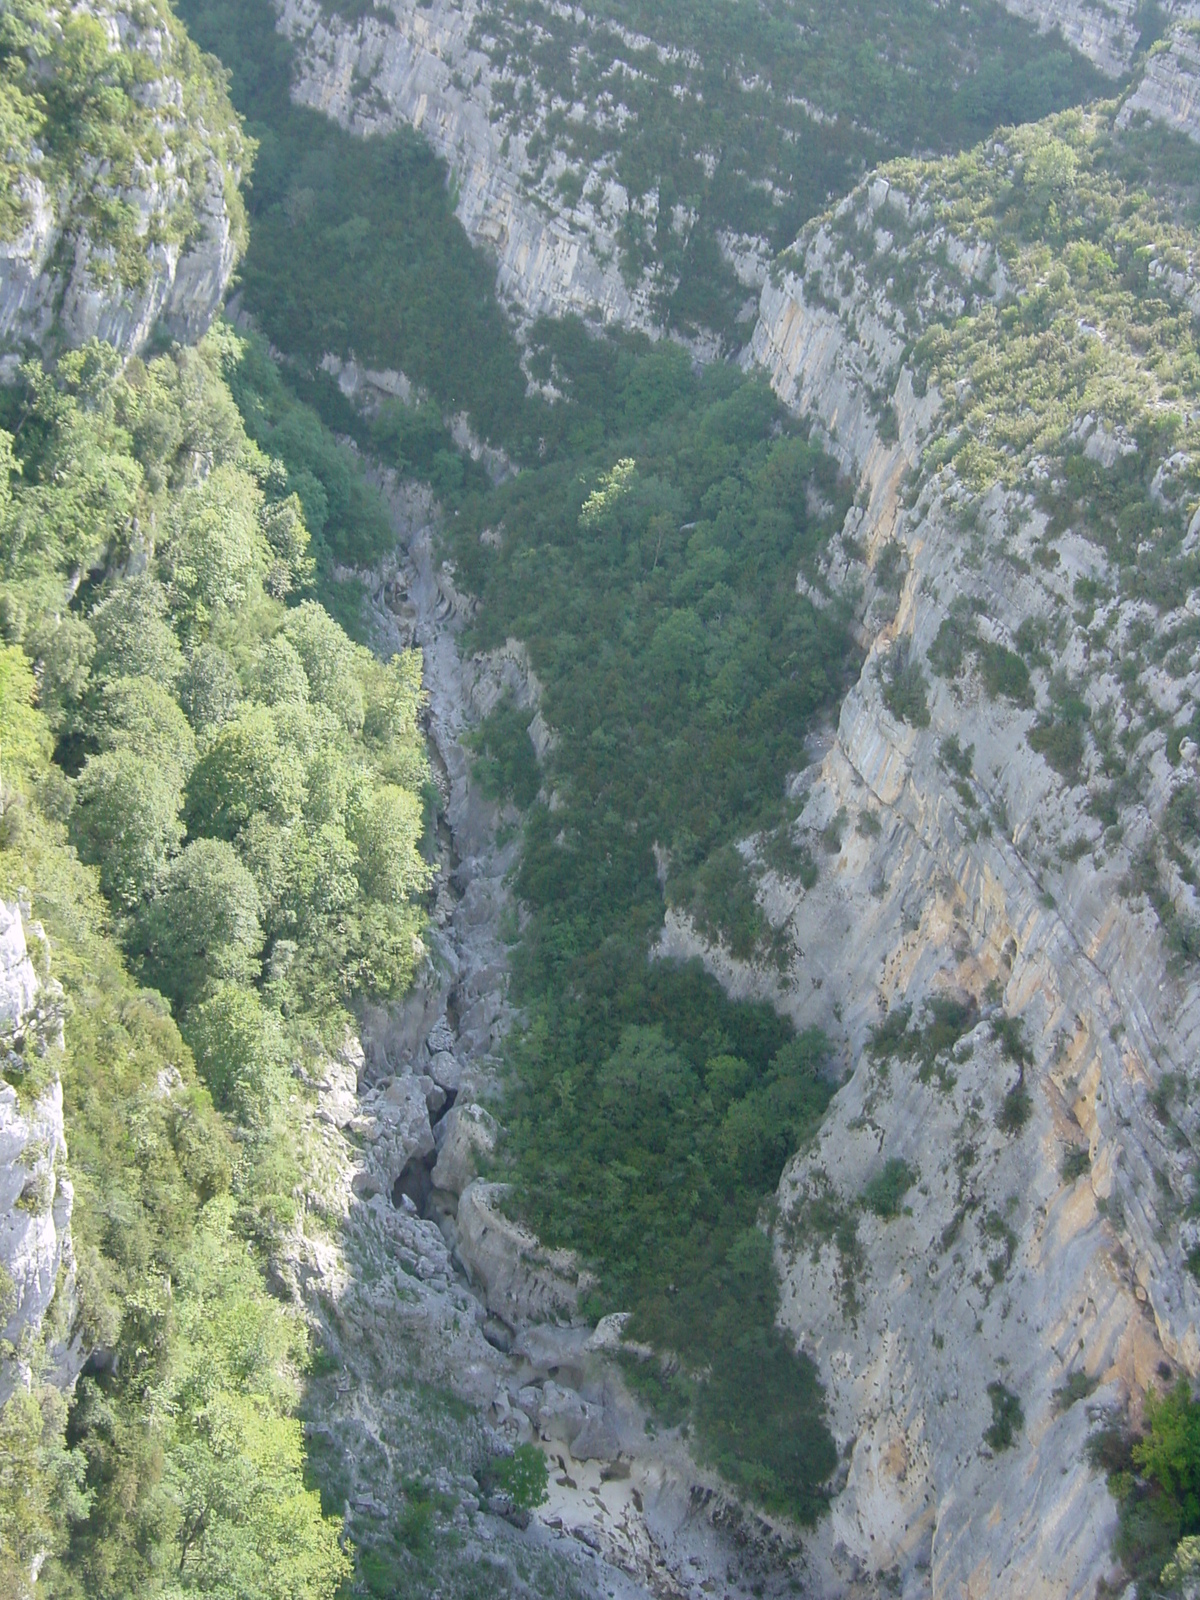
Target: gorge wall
column 111, row 237
column 1047, row 1256
column 37, row 1268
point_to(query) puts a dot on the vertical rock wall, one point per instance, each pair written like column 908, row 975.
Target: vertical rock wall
column 36, row 1260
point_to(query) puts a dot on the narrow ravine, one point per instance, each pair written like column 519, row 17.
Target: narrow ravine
column 431, row 1288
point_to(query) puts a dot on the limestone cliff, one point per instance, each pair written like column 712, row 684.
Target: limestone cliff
column 136, row 222
column 36, row 1261
column 1106, row 33
column 1169, row 90
column 1035, row 1252
column 554, row 123
column 424, row 66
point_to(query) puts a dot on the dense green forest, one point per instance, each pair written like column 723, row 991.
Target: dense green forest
column 208, row 786
column 649, row 1117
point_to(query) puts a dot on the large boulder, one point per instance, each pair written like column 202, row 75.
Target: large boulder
column 521, row 1279
column 470, row 1133
column 394, row 1125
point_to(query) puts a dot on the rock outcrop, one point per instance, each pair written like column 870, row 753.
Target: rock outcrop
column 1169, row 90
column 521, row 1279
column 142, row 233
column 36, row 1259
column 1106, row 33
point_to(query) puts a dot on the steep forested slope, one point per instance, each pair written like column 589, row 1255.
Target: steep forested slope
column 239, row 783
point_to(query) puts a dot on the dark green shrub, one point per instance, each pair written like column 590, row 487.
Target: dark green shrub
column 1004, row 673
column 1077, row 1387
column 1075, row 1162
column 904, row 687
column 1009, row 1034
column 1061, row 743
column 885, row 1192
column 506, row 766
column 954, row 757
column 1015, row 1110
column 523, row 1476
column 1007, row 1417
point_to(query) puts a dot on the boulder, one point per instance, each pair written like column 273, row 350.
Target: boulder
column 394, row 1123
column 562, row 1415
column 470, row 1132
column 521, row 1279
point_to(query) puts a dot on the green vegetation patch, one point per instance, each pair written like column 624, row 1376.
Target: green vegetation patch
column 522, row 1476
column 946, row 1021
column 1155, row 1478
column 653, row 582
column 1008, row 1418
column 355, row 250
column 218, row 783
column 505, row 765
column 884, row 1194
column 905, row 686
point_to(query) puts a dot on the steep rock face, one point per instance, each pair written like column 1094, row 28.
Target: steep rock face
column 1169, row 91
column 137, row 225
column 522, row 1280
column 979, row 856
column 1106, row 33
column 423, row 69
column 36, row 1261
column 832, row 336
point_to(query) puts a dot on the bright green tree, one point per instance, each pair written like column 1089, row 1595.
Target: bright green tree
column 239, row 1050
column 246, row 1528
column 126, row 821
column 139, row 715
column 246, row 768
column 386, row 826
column 202, row 927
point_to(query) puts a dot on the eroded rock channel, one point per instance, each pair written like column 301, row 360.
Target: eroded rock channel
column 424, row 1288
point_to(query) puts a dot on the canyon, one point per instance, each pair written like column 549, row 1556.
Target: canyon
column 992, row 885
column 1033, row 1277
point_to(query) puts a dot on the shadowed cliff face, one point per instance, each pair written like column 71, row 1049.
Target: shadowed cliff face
column 136, row 222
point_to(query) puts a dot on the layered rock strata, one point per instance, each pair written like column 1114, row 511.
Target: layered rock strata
column 1169, row 90
column 426, row 71
column 1035, row 1255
